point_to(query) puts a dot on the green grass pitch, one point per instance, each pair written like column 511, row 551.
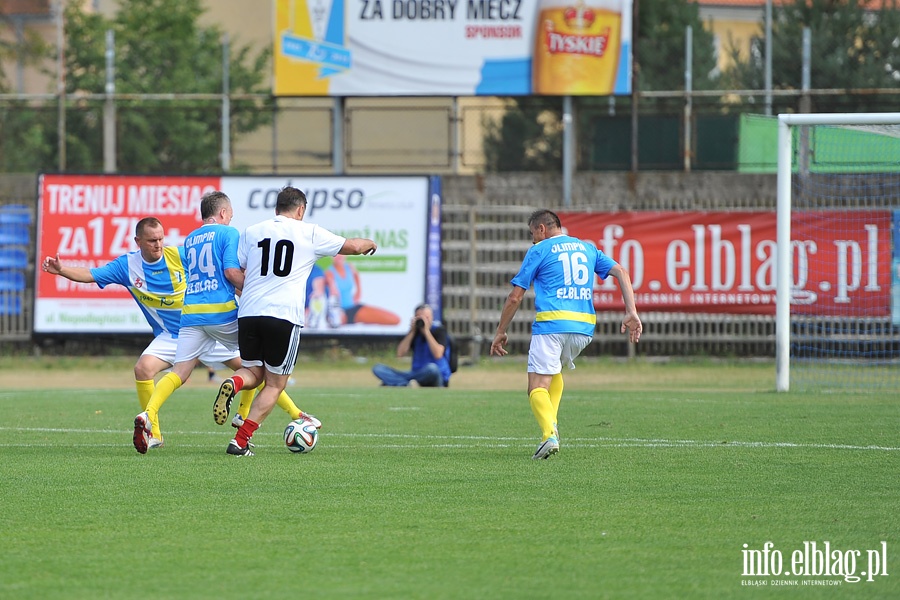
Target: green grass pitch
column 419, row 493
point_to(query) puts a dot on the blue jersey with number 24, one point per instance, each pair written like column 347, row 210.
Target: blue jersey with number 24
column 209, row 297
column 562, row 270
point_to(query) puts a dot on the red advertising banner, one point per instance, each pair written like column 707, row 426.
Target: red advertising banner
column 89, row 220
column 725, row 262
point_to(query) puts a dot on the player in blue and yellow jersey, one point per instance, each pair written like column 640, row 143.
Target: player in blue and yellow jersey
column 562, row 270
column 209, row 314
column 154, row 275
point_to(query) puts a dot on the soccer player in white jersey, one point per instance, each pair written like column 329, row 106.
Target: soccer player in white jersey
column 154, row 276
column 277, row 256
column 561, row 268
column 209, row 313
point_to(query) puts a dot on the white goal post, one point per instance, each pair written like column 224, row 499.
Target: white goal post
column 785, row 251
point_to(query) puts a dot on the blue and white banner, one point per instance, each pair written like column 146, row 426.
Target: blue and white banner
column 452, row 47
column 362, row 295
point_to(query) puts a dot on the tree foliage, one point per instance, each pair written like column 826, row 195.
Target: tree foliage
column 529, row 134
column 29, row 49
column 852, row 48
column 160, row 48
column 526, row 138
column 660, row 46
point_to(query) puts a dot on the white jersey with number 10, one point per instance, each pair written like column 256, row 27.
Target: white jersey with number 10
column 277, row 256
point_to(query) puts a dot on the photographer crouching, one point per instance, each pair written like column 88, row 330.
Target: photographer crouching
column 430, row 354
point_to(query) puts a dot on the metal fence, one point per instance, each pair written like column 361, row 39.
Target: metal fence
column 483, row 248
column 675, row 130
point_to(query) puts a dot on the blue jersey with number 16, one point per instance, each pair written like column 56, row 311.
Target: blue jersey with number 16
column 562, row 270
column 209, row 297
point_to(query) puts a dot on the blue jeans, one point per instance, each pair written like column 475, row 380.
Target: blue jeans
column 427, row 376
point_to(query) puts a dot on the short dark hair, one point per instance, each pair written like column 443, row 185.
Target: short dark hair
column 146, row 223
column 288, row 199
column 422, row 306
column 545, row 217
column 211, row 203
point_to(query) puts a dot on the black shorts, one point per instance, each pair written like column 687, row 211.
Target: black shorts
column 269, row 341
column 351, row 313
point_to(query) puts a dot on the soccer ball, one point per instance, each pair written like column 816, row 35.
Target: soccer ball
column 300, row 436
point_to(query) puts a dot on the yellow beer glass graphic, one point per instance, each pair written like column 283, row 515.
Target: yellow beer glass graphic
column 576, row 47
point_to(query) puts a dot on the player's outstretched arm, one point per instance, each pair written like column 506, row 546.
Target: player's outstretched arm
column 358, row 246
column 53, row 266
column 631, row 323
column 506, row 316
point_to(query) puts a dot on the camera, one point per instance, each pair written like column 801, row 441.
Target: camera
column 420, row 323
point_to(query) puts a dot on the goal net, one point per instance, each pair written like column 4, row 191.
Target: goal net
column 838, row 287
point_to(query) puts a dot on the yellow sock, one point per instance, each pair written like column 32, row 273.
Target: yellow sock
column 144, row 391
column 543, row 411
column 284, row 402
column 247, row 397
column 287, row 405
column 556, row 391
column 165, row 388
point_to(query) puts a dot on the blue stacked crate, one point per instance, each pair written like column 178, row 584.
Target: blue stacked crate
column 15, row 240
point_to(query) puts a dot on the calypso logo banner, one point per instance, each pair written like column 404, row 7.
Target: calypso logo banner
column 361, row 293
column 452, row 47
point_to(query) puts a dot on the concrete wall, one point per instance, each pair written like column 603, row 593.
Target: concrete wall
column 18, row 188
column 607, row 191
column 613, row 191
